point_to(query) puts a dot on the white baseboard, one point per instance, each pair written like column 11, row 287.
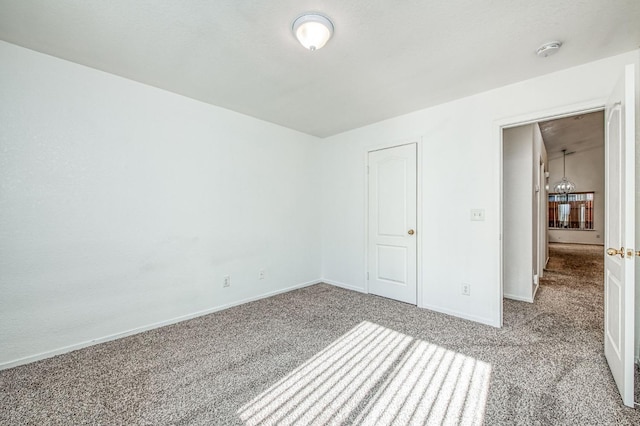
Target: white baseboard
column 345, row 286
column 518, row 298
column 76, row 346
column 535, row 290
column 481, row 320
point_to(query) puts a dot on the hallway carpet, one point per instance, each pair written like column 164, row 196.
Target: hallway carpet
column 332, row 356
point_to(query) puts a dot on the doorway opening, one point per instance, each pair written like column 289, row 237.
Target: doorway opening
column 536, row 212
column 559, row 234
column 620, row 223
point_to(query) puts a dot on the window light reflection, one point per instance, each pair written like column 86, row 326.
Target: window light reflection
column 374, row 375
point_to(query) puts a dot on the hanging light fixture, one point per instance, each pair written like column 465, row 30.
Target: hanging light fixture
column 565, row 186
column 312, row 30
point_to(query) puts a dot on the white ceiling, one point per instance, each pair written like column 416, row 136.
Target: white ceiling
column 386, row 58
column 576, row 133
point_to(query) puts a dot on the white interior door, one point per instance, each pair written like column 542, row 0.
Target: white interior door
column 619, row 233
column 392, row 247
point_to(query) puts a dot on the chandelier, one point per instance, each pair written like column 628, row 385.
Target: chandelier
column 565, row 186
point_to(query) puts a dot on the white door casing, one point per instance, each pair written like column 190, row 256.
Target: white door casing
column 392, row 219
column 619, row 233
column 543, row 222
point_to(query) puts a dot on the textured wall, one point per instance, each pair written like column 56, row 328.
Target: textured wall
column 586, row 170
column 518, row 212
column 123, row 206
column 460, row 169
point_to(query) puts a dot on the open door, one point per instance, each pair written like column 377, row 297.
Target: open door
column 619, row 233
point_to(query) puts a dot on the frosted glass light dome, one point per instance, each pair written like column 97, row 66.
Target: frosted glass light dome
column 313, row 31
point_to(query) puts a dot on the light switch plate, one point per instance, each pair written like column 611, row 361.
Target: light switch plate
column 477, row 215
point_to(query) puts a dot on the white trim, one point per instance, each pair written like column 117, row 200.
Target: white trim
column 378, row 147
column 629, row 227
column 366, row 221
column 519, row 298
column 419, row 222
column 345, row 286
column 463, row 315
column 535, row 291
column 87, row 343
column 500, row 132
column 593, row 105
column 519, row 120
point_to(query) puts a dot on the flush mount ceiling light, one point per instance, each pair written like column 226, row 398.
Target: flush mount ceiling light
column 312, row 30
column 548, row 49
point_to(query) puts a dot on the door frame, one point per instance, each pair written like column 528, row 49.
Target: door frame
column 419, row 221
column 521, row 120
column 541, row 223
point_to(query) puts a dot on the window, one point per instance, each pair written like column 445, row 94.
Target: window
column 571, row 211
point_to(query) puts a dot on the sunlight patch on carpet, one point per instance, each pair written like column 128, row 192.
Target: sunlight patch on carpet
column 374, row 375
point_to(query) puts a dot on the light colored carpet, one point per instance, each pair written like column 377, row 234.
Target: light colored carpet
column 374, row 375
column 330, row 356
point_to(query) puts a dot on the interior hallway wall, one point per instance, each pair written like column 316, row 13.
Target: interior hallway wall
column 518, row 212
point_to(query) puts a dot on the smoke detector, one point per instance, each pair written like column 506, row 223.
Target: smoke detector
column 548, row 49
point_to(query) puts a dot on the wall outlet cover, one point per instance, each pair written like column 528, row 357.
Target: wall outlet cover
column 477, row 215
column 465, row 289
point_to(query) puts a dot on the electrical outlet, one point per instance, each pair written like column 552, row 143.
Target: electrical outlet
column 465, row 289
column 227, row 281
column 477, row 215
column 261, row 274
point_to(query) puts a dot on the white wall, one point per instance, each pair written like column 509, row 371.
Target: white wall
column 586, row 170
column 518, row 212
column 122, row 206
column 523, row 152
column 461, row 170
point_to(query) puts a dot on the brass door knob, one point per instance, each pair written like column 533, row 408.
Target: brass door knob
column 613, row 252
column 411, row 232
